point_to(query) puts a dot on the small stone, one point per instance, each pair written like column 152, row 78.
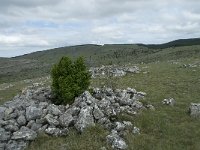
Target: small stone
column 33, row 113
column 53, row 109
column 51, row 120
column 169, row 101
column 98, row 114
column 2, row 110
column 127, row 124
column 2, row 146
column 116, row 141
column 119, row 126
column 136, row 131
column 56, row 131
column 194, row 109
column 36, row 127
column 65, row 119
column 4, row 135
column 7, row 113
column 30, row 123
column 11, row 128
column 151, row 107
column 16, row 145
column 21, row 120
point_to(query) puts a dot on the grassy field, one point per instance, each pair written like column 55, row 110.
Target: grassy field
column 167, row 128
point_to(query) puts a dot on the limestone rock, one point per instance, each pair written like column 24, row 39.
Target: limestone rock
column 85, row 119
column 53, row 109
column 194, row 109
column 51, row 120
column 98, row 114
column 66, row 119
column 4, row 135
column 21, row 120
column 16, row 145
column 169, row 101
column 56, row 131
column 24, row 134
column 2, row 110
column 116, row 141
column 33, row 113
column 136, row 130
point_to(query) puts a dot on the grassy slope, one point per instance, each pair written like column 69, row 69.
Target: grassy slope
column 166, row 128
column 38, row 64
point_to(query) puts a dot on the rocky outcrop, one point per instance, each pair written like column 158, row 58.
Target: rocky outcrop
column 113, row 70
column 32, row 112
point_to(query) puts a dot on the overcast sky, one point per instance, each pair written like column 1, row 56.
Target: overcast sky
column 31, row 25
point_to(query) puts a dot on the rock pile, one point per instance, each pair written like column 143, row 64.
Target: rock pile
column 113, row 70
column 32, row 112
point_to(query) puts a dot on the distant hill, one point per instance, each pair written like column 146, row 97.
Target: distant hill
column 176, row 43
column 38, row 64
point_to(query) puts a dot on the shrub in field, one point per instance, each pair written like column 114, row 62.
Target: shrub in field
column 70, row 79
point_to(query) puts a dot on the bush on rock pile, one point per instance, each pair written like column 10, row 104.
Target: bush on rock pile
column 70, row 79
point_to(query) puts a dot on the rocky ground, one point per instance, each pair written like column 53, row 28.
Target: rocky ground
column 170, row 90
column 32, row 112
column 113, row 71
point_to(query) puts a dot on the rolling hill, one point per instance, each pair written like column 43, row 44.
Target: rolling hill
column 39, row 63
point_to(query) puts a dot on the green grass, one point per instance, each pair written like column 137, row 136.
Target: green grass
column 166, row 128
column 92, row 138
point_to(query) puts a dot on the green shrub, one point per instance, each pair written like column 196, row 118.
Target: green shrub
column 70, row 79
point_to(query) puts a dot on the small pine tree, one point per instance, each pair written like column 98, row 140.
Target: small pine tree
column 70, row 79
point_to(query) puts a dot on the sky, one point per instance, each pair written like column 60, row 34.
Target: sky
column 31, row 25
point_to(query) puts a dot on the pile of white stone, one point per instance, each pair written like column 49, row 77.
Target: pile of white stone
column 32, row 112
column 113, row 71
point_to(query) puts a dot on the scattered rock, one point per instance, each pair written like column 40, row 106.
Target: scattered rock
column 113, row 70
column 169, row 101
column 194, row 109
column 116, row 141
column 136, row 130
column 151, row 107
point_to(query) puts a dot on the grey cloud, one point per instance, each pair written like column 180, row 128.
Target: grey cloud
column 95, row 21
